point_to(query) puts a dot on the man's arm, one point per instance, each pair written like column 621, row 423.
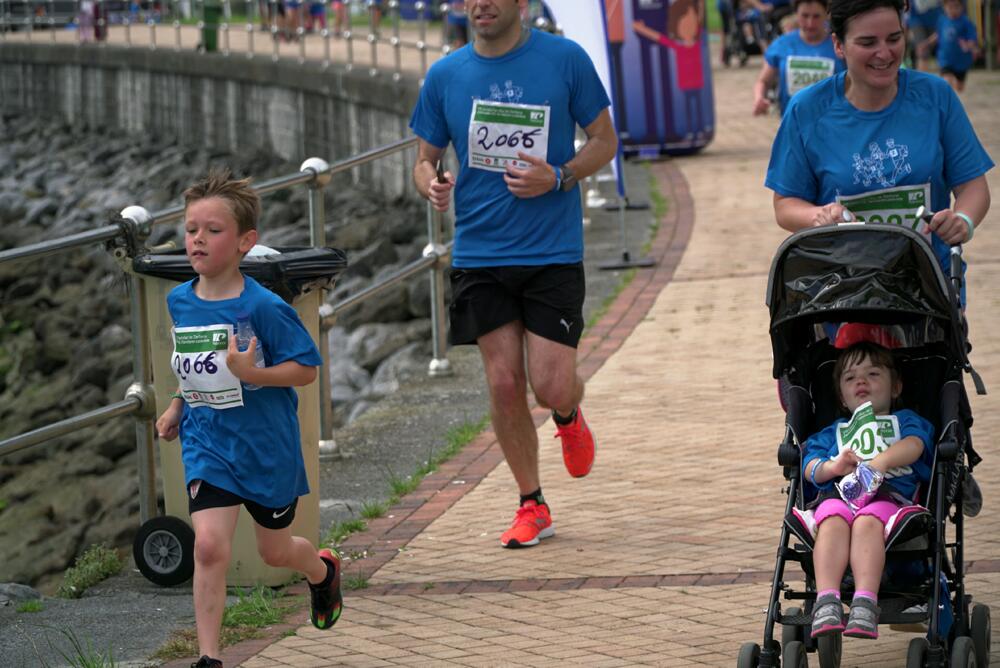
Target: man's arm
column 540, row 177
column 425, row 176
column 766, row 80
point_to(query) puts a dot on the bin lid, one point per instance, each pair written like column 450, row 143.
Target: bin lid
column 290, row 272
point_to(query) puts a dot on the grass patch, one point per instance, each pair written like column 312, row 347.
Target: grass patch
column 599, row 312
column 254, row 609
column 372, row 510
column 81, row 653
column 341, row 530
column 98, row 563
column 34, row 605
column 3, row 505
column 355, row 582
column 402, row 486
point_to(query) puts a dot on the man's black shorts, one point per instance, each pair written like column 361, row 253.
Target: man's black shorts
column 547, row 299
column 202, row 495
column 955, row 73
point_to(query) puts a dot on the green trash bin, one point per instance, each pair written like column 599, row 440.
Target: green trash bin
column 163, row 543
column 211, row 19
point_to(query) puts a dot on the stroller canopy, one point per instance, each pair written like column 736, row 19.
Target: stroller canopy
column 869, row 273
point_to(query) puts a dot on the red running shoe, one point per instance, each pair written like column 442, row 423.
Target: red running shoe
column 328, row 601
column 532, row 522
column 578, row 444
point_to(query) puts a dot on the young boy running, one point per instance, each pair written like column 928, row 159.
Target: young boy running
column 235, row 410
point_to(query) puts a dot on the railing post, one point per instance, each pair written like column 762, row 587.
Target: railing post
column 142, row 370
column 317, row 238
column 439, row 364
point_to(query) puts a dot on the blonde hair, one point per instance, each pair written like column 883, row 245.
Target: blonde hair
column 241, row 199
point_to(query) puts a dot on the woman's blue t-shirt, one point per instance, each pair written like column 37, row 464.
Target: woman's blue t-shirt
column 826, row 148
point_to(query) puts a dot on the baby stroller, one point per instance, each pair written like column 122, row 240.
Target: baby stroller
column 887, row 278
column 744, row 32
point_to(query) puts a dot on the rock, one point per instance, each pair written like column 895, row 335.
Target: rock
column 403, row 363
column 370, row 344
column 11, row 591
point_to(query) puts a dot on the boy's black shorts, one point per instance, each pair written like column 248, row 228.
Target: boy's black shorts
column 547, row 299
column 955, row 73
column 203, row 495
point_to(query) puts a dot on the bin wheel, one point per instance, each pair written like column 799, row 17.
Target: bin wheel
column 963, row 653
column 749, row 656
column 164, row 551
column 830, row 648
column 793, row 655
column 980, row 629
column 916, row 653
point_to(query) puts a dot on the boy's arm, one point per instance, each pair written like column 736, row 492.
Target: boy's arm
column 284, row 374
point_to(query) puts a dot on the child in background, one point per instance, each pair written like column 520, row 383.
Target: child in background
column 957, row 44
column 865, row 372
column 235, row 411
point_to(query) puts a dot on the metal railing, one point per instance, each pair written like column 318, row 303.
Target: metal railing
column 251, row 28
column 133, row 228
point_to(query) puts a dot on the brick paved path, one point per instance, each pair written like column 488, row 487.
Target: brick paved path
column 640, row 571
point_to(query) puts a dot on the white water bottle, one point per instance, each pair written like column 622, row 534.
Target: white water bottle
column 244, row 332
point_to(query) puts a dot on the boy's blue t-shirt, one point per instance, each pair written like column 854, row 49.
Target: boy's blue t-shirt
column 827, row 148
column 492, row 227
column 824, row 444
column 950, row 55
column 818, row 62
column 253, row 451
column 924, row 13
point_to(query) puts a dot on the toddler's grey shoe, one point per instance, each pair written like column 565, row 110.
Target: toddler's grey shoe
column 863, row 620
column 828, row 616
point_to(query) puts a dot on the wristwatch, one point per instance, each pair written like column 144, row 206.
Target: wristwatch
column 568, row 178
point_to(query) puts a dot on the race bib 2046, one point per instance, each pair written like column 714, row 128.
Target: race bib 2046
column 803, row 71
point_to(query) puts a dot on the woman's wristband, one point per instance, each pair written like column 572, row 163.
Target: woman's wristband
column 558, row 172
column 968, row 221
column 176, row 395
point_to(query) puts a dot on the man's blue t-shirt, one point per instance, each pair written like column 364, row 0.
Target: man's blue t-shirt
column 950, row 55
column 824, row 444
column 827, row 148
column 815, row 63
column 254, row 450
column 492, row 226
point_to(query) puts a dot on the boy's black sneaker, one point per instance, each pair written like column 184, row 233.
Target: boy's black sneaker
column 327, row 599
column 207, row 662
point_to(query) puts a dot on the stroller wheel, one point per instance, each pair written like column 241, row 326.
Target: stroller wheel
column 980, row 629
column 916, row 653
column 793, row 655
column 829, row 648
column 963, row 653
column 749, row 656
column 791, row 632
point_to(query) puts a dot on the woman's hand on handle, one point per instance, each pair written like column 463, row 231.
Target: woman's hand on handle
column 951, row 227
column 794, row 213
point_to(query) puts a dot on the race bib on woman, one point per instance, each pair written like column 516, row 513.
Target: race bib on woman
column 499, row 131
column 897, row 206
column 199, row 362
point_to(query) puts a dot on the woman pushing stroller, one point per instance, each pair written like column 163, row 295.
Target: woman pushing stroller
column 896, row 446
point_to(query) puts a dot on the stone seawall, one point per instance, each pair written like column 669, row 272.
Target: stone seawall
column 285, row 108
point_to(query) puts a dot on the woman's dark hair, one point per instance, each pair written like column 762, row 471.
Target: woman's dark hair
column 842, row 11
column 795, row 5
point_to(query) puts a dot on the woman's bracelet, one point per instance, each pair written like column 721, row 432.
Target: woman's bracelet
column 968, row 221
column 176, row 395
column 558, row 171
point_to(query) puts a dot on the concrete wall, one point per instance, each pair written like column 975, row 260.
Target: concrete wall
column 294, row 110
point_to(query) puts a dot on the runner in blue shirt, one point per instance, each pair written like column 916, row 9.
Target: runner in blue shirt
column 921, row 21
column 877, row 140
column 798, row 59
column 235, row 414
column 509, row 105
column 956, row 44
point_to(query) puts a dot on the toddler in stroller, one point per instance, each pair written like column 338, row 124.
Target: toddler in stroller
column 903, row 568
